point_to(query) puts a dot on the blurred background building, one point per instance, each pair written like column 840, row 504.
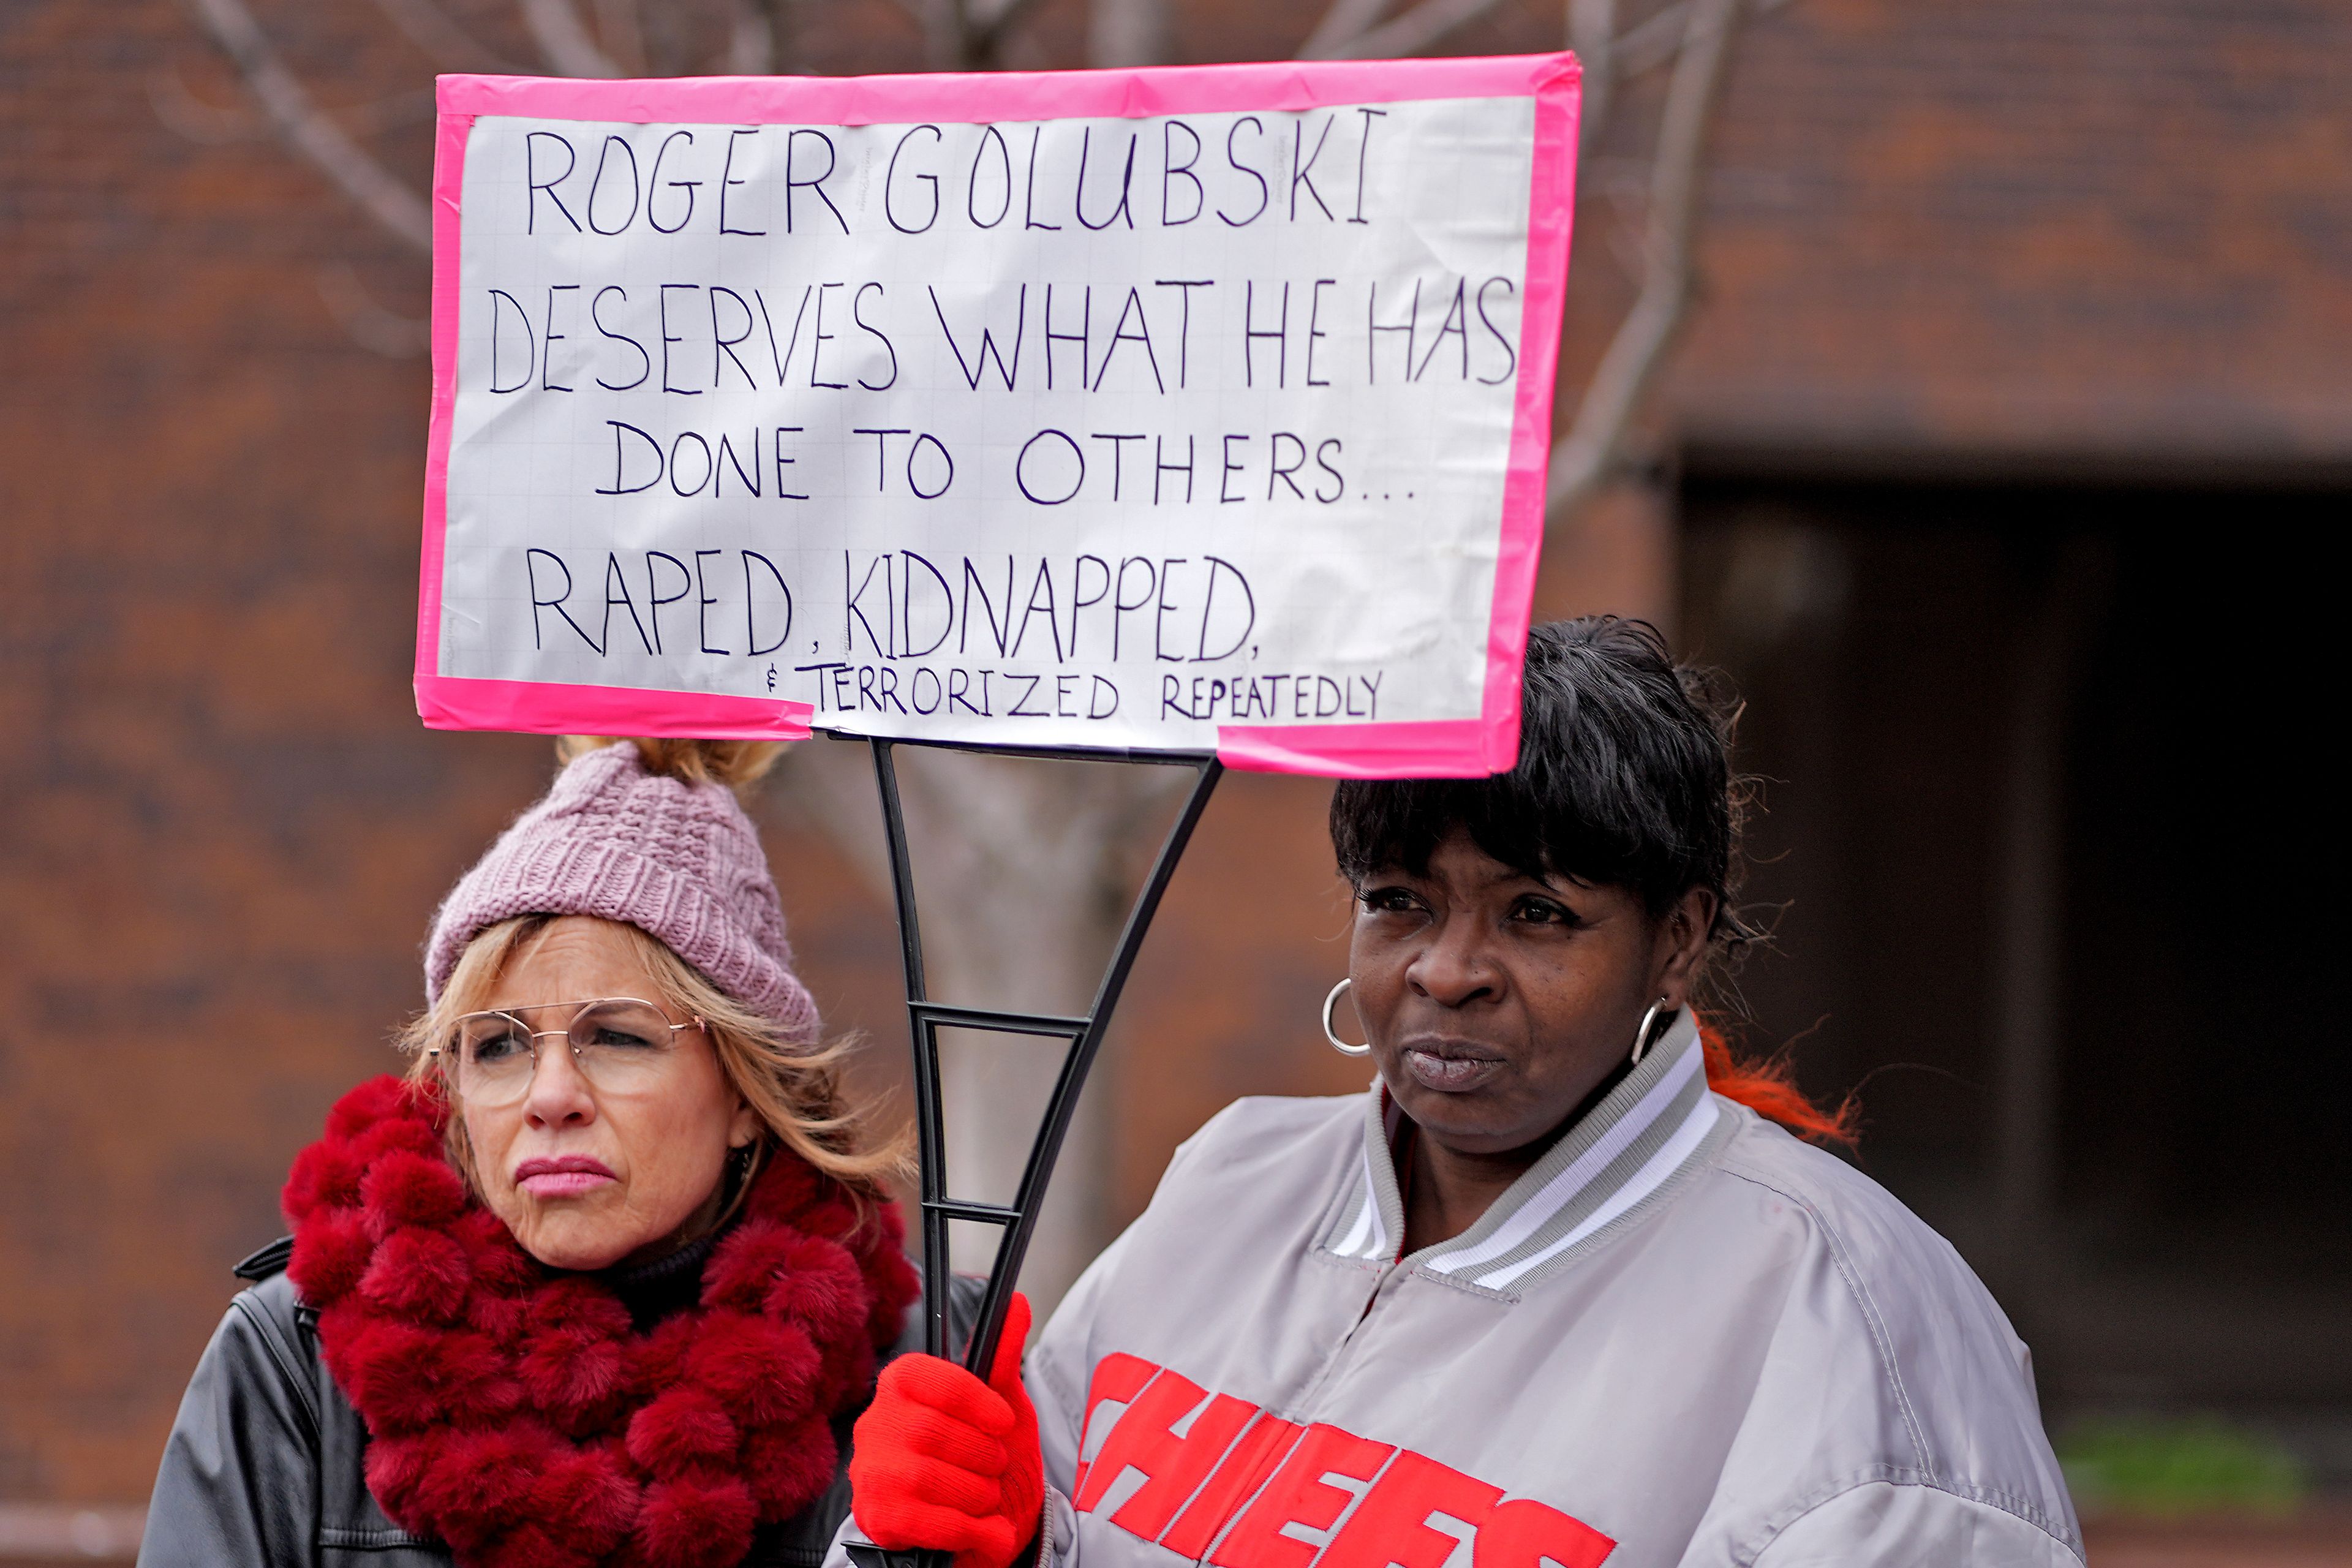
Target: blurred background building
column 1995, row 466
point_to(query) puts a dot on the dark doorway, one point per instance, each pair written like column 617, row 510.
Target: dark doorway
column 2050, row 817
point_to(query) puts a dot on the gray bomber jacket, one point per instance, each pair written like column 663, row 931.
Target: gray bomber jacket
column 1683, row 1338
column 265, row 1464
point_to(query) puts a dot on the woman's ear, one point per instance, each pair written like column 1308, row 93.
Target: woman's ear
column 743, row 1129
column 1682, row 944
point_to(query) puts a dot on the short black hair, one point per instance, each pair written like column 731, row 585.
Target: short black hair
column 1623, row 779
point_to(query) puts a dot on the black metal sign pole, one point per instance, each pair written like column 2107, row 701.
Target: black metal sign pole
column 925, row 1018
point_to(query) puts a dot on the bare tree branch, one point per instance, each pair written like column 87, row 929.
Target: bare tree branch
column 1653, row 39
column 945, row 42
column 966, row 34
column 1126, row 32
column 1587, row 457
column 1592, row 34
column 430, row 28
column 388, row 113
column 623, row 32
column 752, row 39
column 562, row 38
column 830, row 787
column 216, row 125
column 1346, row 20
column 211, row 124
column 302, row 124
column 369, row 323
column 1641, row 49
column 1051, row 853
column 991, row 20
column 1410, row 32
column 1659, row 37
column 783, row 18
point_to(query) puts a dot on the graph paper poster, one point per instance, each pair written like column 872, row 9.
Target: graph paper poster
column 1195, row 409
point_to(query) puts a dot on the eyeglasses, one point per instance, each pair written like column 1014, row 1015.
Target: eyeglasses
column 619, row 1042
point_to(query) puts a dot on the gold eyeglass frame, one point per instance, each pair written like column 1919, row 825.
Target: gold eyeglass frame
column 445, row 1057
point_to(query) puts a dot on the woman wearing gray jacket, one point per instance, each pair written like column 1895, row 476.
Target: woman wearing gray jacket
column 1560, row 1287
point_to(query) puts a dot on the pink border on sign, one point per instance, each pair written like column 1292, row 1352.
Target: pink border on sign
column 448, row 186
column 1464, row 749
column 977, row 97
column 1424, row 749
column 556, row 708
column 1448, row 749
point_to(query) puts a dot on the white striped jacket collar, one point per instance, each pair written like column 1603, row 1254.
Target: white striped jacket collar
column 1654, row 1125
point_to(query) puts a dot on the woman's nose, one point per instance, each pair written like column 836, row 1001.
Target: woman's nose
column 558, row 1093
column 1454, row 968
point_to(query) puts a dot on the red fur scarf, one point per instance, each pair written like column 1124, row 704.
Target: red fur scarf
column 514, row 1412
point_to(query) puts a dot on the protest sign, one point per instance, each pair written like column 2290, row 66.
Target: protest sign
column 1193, row 409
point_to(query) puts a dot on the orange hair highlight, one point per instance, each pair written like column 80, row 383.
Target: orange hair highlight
column 1765, row 1086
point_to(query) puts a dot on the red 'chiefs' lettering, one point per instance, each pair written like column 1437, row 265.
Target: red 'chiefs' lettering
column 1522, row 1531
column 1391, row 1524
column 1174, row 1466
column 1278, row 1472
column 1118, row 1379
column 1252, row 1459
column 1299, row 1494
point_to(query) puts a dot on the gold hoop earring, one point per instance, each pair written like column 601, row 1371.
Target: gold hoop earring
column 1338, row 1045
column 1642, row 1036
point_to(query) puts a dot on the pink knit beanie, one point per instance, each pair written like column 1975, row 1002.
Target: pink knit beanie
column 680, row 861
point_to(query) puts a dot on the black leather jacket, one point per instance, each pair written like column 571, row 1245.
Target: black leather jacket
column 265, row 1464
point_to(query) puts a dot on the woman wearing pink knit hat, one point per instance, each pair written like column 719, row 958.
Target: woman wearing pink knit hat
column 607, row 1276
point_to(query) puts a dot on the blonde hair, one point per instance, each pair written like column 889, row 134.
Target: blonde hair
column 792, row 1086
column 738, row 765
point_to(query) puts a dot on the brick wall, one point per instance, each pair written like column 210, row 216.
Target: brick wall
column 2086, row 228
column 2117, row 230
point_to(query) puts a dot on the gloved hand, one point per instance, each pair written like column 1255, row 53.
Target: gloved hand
column 946, row 1462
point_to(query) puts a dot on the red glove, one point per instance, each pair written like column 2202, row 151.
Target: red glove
column 946, row 1462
